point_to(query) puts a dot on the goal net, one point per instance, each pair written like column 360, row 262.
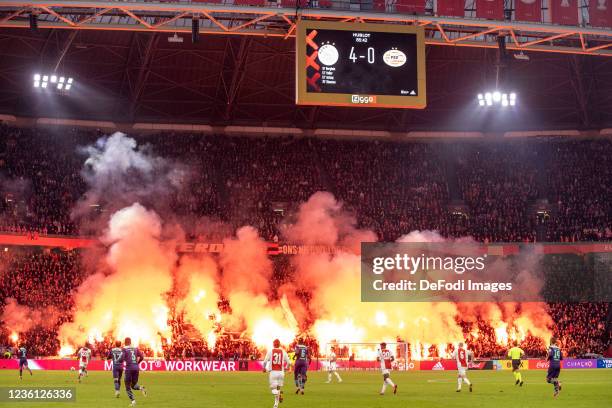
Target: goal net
column 362, row 356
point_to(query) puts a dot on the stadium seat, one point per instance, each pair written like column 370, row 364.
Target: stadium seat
column 379, row 5
column 258, row 3
column 410, row 7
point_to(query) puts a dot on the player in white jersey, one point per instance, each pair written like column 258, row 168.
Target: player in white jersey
column 463, row 357
column 332, row 367
column 386, row 358
column 83, row 355
column 275, row 363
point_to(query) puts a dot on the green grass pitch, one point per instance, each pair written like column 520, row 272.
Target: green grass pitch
column 426, row 389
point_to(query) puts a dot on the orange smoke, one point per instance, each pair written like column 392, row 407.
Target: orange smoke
column 246, row 284
column 130, row 301
column 334, row 284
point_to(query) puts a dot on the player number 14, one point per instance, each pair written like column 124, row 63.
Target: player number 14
column 353, row 57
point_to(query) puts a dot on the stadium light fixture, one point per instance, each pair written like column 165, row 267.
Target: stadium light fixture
column 497, row 98
column 58, row 82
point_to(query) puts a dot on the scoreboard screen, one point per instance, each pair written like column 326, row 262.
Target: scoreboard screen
column 354, row 64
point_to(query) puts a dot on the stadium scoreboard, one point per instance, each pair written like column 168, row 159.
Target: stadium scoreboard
column 354, row 64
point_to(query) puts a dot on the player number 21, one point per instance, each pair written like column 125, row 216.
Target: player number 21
column 353, row 57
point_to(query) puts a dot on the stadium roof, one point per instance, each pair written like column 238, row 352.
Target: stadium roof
column 133, row 75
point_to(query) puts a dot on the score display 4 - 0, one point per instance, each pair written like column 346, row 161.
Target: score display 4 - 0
column 370, row 55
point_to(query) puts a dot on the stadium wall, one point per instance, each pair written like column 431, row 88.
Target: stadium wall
column 272, row 131
column 229, row 366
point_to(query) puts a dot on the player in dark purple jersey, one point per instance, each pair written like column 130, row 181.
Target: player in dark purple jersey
column 115, row 354
column 302, row 360
column 22, row 354
column 554, row 368
column 132, row 358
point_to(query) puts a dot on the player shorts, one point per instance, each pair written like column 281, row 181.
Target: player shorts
column 277, row 379
column 386, row 371
column 23, row 362
column 131, row 377
column 516, row 364
column 300, row 368
column 82, row 366
column 461, row 371
column 117, row 372
column 553, row 372
column 332, row 366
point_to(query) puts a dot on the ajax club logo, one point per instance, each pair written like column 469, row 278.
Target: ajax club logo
column 328, row 54
column 363, row 99
column 394, row 58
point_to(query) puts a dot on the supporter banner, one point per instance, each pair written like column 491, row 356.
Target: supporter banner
column 273, row 248
column 35, row 239
column 507, row 364
column 528, row 10
column 600, row 13
column 571, row 363
column 538, row 365
column 452, row 8
column 604, row 363
column 285, row 249
column 490, row 9
column 564, row 12
column 410, row 6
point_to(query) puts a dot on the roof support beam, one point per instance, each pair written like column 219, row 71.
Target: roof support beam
column 65, row 48
column 269, row 21
column 143, row 70
column 237, row 76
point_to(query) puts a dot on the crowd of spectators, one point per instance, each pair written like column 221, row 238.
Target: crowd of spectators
column 484, row 190
column 36, row 294
column 581, row 327
column 580, row 187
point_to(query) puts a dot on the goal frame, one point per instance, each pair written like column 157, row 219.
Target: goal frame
column 399, row 350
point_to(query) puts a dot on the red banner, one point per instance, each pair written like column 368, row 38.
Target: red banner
column 528, row 10
column 490, row 9
column 538, row 364
column 564, row 12
column 410, row 6
column 600, row 13
column 453, row 8
column 439, row 365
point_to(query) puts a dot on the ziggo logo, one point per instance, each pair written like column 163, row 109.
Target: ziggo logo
column 363, row 99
